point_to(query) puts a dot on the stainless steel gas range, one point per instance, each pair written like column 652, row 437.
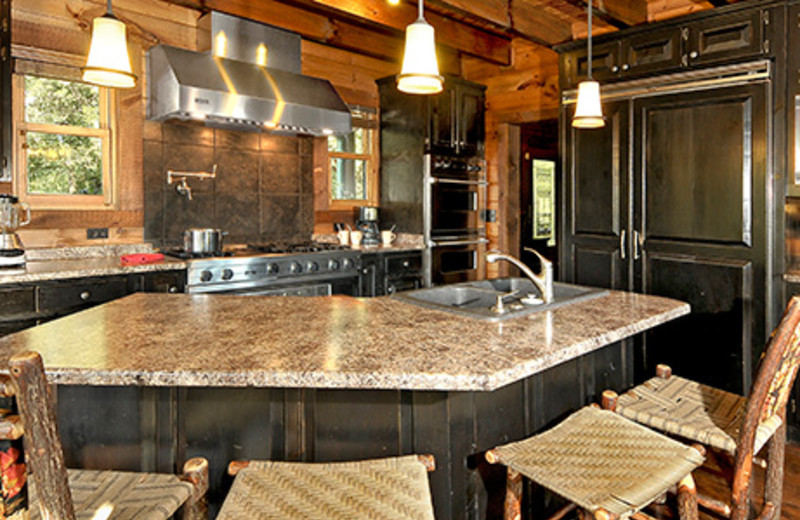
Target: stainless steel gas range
column 304, row 269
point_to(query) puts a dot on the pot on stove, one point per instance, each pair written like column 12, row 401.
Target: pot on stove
column 203, row 240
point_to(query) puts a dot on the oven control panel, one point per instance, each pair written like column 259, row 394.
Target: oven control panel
column 263, row 270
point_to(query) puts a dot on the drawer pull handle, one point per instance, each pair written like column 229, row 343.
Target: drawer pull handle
column 173, row 289
column 85, row 295
column 406, row 263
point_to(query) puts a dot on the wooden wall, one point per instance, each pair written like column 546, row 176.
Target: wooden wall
column 524, row 92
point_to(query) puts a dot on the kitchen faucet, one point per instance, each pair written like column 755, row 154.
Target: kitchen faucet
column 543, row 281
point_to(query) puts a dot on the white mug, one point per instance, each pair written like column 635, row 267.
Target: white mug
column 387, row 237
column 344, row 237
column 355, row 237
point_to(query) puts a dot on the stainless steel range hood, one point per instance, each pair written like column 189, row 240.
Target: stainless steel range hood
column 222, row 89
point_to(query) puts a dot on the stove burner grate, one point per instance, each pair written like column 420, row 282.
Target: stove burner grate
column 188, row 255
column 297, row 247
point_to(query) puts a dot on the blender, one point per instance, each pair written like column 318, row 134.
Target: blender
column 12, row 253
column 367, row 223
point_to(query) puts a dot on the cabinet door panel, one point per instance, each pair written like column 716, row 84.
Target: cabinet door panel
column 593, row 247
column 726, row 37
column 597, row 177
column 712, row 344
column 652, row 51
column 442, row 123
column 605, row 62
column 470, row 124
column 701, row 175
column 699, row 172
column 598, row 266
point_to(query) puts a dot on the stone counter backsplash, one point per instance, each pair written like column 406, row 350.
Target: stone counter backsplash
column 263, row 190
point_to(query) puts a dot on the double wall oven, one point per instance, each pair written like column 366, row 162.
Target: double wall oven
column 454, row 206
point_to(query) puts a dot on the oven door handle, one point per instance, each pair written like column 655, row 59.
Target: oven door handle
column 440, row 180
column 445, row 243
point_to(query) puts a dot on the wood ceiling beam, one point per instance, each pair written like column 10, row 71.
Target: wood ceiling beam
column 387, row 21
column 601, row 13
column 456, row 34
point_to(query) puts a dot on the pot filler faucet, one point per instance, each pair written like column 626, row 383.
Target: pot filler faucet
column 543, row 281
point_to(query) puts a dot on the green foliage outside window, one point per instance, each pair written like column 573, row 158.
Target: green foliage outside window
column 60, row 162
column 348, row 172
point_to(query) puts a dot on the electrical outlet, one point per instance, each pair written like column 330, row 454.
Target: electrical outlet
column 96, row 233
column 489, row 215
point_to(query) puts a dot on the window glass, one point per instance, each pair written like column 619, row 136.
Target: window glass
column 64, row 143
column 348, row 179
column 57, row 102
column 356, row 142
column 64, row 164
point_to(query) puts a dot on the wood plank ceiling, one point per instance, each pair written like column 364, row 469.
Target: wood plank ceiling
column 477, row 28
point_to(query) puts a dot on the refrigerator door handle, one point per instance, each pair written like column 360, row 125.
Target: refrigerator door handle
column 440, row 180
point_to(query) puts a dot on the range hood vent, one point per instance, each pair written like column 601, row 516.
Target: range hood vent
column 221, row 89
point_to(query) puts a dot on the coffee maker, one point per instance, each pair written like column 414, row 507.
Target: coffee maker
column 12, row 254
column 367, row 223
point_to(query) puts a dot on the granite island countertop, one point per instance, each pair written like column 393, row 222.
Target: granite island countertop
column 323, row 342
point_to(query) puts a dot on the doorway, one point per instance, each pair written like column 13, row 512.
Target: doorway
column 539, row 166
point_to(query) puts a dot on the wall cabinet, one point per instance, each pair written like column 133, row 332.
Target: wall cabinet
column 710, row 38
column 25, row 305
column 384, row 273
column 455, row 120
column 670, row 199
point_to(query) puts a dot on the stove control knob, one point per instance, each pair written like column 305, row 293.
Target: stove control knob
column 227, row 274
column 347, row 263
column 296, row 268
column 205, row 276
column 312, row 267
column 333, row 265
column 273, row 268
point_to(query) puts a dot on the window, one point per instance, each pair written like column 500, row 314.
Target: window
column 63, row 143
column 353, row 164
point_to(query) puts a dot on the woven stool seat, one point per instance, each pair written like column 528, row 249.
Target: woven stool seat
column 599, row 460
column 380, row 489
column 133, row 496
column 693, row 411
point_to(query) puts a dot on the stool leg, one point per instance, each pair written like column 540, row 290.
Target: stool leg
column 195, row 471
column 773, row 488
column 687, row 499
column 513, row 504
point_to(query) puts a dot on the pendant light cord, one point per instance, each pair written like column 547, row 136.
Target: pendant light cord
column 421, row 17
column 589, row 8
column 108, row 8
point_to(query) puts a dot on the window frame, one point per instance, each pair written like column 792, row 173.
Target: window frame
column 368, row 120
column 105, row 132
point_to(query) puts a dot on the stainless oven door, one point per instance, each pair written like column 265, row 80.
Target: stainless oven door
column 456, row 207
column 455, row 261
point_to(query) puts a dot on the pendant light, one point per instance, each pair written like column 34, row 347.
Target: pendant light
column 588, row 112
column 109, row 64
column 420, row 73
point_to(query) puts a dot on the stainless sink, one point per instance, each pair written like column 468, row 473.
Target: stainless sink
column 476, row 299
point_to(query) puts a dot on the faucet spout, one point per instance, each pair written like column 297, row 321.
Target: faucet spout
column 543, row 281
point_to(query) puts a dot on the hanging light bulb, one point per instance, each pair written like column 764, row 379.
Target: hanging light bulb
column 588, row 111
column 109, row 64
column 420, row 73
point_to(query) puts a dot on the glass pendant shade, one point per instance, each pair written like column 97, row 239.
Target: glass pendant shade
column 420, row 73
column 109, row 64
column 588, row 112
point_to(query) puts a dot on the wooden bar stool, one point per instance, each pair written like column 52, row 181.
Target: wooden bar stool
column 378, row 489
column 728, row 422
column 36, row 484
column 608, row 466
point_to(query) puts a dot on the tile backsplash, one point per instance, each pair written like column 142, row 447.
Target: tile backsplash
column 263, row 190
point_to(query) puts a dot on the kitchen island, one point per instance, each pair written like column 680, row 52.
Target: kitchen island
column 328, row 378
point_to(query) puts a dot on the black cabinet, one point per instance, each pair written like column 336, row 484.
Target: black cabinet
column 709, row 38
column 456, row 123
column 26, row 305
column 385, row 273
column 5, row 90
column 670, row 199
column 451, row 122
